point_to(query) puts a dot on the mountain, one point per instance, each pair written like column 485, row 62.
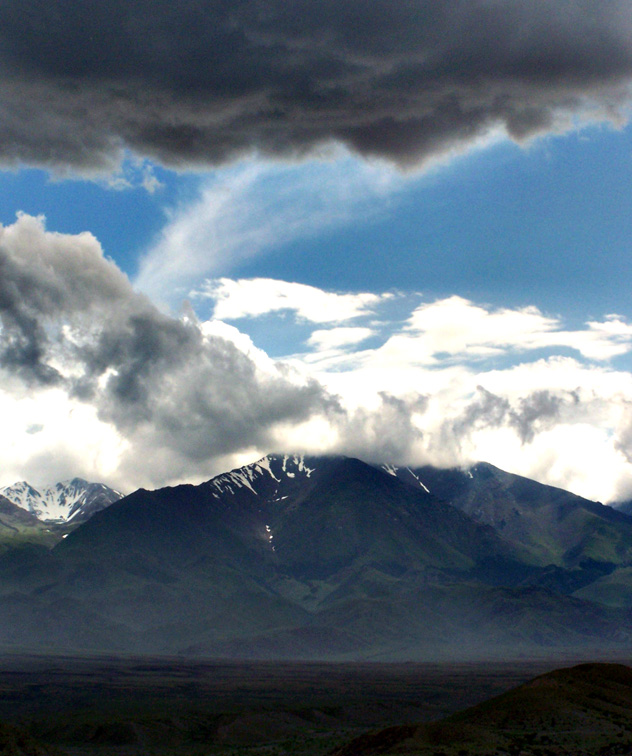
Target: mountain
column 287, row 554
column 73, row 500
column 577, row 540
column 18, row 526
column 583, row 710
column 624, row 506
column 295, row 557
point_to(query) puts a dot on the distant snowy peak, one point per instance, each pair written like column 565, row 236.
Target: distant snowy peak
column 73, row 500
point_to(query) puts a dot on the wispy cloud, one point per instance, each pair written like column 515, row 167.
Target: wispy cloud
column 251, row 209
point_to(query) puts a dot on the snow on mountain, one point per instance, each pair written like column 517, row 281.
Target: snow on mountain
column 266, row 477
column 405, row 474
column 68, row 501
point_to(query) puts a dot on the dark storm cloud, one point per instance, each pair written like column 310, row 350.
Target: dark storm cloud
column 197, row 83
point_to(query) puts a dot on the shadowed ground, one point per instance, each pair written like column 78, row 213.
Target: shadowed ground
column 584, row 710
column 139, row 706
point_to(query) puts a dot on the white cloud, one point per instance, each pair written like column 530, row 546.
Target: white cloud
column 336, row 338
column 487, row 393
column 253, row 297
column 47, row 436
column 458, row 327
column 97, row 381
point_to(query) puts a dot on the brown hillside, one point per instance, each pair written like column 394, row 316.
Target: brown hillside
column 584, row 710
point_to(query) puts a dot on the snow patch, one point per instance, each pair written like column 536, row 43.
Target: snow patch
column 421, row 483
column 302, row 467
column 242, row 481
column 264, row 464
column 270, row 536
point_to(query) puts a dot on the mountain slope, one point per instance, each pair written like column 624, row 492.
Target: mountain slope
column 582, row 710
column 18, row 527
column 555, row 526
column 293, row 557
column 317, row 514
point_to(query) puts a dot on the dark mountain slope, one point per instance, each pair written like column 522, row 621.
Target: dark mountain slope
column 292, row 557
column 556, row 526
column 346, row 512
column 356, row 512
column 582, row 710
column 623, row 506
column 195, row 565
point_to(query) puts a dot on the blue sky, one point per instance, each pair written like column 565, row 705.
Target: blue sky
column 366, row 248
column 507, row 225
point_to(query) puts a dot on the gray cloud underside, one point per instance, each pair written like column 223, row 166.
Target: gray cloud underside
column 198, row 83
column 533, row 413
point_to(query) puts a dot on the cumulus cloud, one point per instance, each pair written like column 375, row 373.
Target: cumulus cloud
column 531, row 414
column 384, row 431
column 201, row 83
column 97, row 381
column 43, row 277
column 177, row 393
column 489, row 394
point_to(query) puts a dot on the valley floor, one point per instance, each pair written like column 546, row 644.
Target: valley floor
column 133, row 706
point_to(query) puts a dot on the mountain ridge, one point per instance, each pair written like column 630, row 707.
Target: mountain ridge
column 314, row 558
column 73, row 500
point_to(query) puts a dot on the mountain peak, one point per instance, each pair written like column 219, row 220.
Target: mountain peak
column 75, row 499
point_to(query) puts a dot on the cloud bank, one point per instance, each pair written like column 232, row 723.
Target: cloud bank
column 179, row 395
column 97, row 381
column 201, row 83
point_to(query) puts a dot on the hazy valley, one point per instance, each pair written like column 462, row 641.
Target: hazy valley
column 343, row 598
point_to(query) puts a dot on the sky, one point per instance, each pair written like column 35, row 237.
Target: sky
column 394, row 229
